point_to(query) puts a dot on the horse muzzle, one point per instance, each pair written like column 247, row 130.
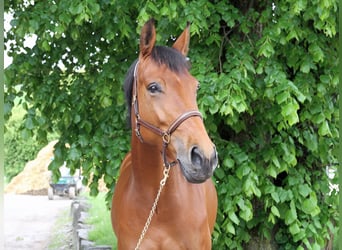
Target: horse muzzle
column 196, row 166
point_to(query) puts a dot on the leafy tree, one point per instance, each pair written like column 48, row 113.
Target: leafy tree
column 18, row 150
column 268, row 73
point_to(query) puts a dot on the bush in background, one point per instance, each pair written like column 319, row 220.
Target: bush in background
column 18, row 150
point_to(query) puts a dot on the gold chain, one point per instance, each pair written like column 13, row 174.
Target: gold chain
column 154, row 206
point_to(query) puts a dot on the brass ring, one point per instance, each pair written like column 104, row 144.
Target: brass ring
column 166, row 138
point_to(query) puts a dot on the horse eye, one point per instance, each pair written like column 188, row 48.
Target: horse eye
column 198, row 86
column 153, row 88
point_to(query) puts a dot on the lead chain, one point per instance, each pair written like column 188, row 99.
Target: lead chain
column 154, row 206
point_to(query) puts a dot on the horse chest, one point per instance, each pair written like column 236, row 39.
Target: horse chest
column 177, row 232
column 180, row 220
column 177, row 240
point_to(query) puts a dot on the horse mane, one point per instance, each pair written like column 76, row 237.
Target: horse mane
column 170, row 57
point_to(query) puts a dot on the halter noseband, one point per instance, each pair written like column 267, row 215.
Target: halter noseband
column 166, row 135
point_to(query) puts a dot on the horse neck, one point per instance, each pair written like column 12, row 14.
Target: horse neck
column 147, row 164
column 147, row 168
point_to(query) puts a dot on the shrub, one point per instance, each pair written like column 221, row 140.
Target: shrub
column 18, row 150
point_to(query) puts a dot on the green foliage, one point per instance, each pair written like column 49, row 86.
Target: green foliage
column 18, row 151
column 268, row 73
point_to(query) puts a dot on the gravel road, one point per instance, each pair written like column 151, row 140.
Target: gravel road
column 28, row 220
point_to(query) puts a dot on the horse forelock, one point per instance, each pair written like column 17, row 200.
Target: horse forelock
column 170, row 57
column 162, row 55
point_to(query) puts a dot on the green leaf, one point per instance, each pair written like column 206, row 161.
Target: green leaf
column 298, row 6
column 105, row 101
column 282, row 97
column 243, row 170
column 233, row 217
column 324, row 129
column 309, row 205
column 275, row 197
column 81, row 18
column 74, row 154
column 108, row 179
column 317, row 52
column 292, row 118
column 304, row 190
column 98, row 149
column 266, row 49
column 94, row 8
column 220, row 173
column 46, row 45
column 289, row 112
column 256, row 191
column 271, row 218
column 83, row 141
column 76, row 8
column 86, row 125
column 276, row 161
column 27, row 134
column 228, row 162
column 230, row 228
column 34, row 25
column 246, row 214
column 294, row 228
column 318, row 118
column 29, row 123
column 291, row 214
column 240, row 157
column 292, row 34
column 289, row 108
column 77, row 118
column 316, row 246
column 275, row 211
column 271, row 171
column 306, row 65
column 311, row 141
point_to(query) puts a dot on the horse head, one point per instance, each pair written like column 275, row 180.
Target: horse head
column 163, row 107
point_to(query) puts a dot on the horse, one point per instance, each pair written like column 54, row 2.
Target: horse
column 164, row 197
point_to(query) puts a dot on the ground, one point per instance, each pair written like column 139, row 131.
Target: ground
column 30, row 221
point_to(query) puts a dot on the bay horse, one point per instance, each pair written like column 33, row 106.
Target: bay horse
column 164, row 197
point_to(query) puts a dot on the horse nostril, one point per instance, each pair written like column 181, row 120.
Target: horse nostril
column 196, row 157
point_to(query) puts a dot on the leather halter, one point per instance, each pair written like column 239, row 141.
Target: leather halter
column 165, row 135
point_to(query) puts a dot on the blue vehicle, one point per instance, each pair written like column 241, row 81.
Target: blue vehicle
column 67, row 185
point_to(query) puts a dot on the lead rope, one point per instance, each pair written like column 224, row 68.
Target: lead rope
column 154, row 206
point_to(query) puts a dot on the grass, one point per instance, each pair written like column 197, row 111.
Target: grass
column 99, row 217
column 61, row 232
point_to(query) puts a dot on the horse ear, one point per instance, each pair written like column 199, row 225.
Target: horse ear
column 182, row 42
column 147, row 38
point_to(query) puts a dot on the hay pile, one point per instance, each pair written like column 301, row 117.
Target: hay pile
column 34, row 179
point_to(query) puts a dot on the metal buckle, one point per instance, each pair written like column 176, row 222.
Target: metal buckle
column 166, row 138
column 138, row 134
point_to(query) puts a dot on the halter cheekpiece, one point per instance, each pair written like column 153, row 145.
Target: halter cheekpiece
column 165, row 135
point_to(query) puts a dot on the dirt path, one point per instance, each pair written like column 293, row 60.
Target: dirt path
column 29, row 220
